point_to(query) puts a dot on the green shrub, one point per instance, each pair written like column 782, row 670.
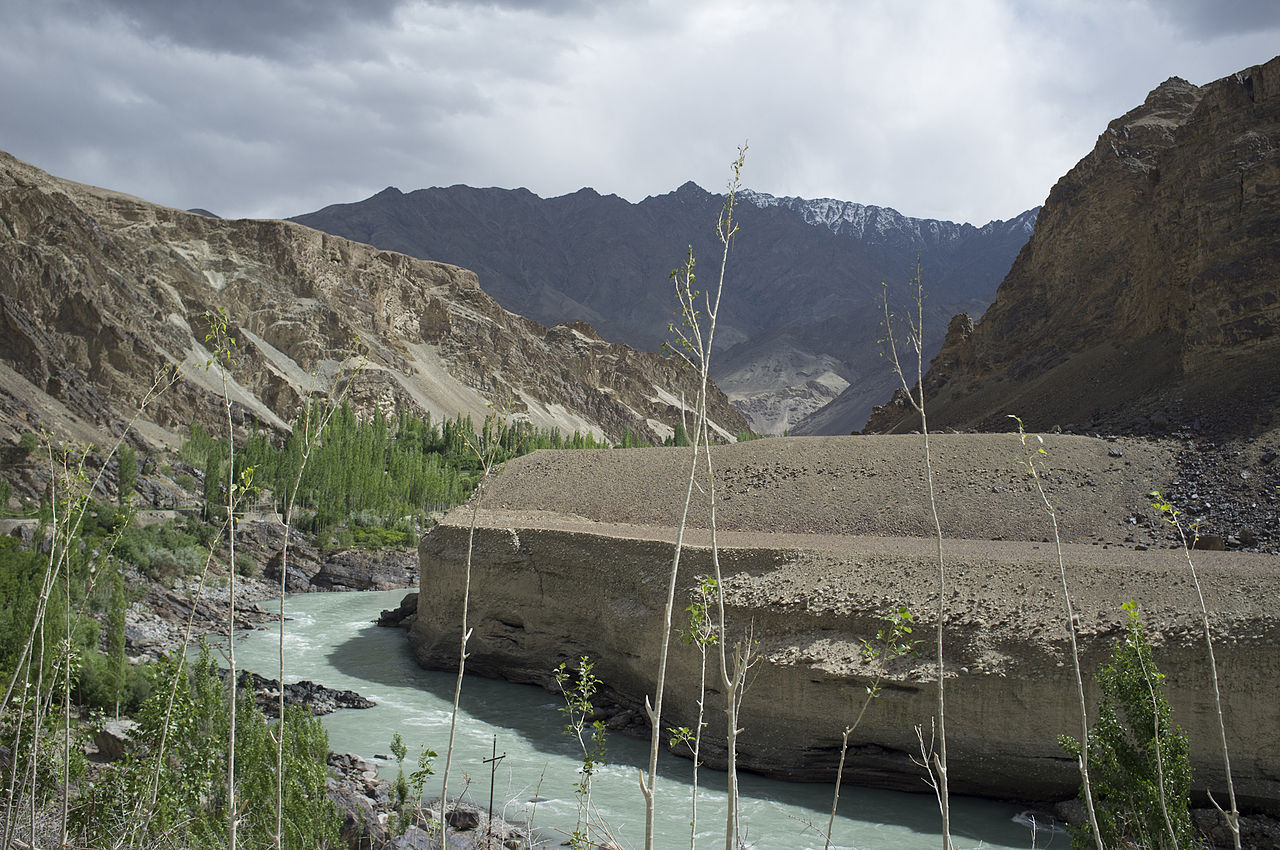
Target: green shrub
column 189, row 559
column 190, row 805
column 1138, row 758
column 247, row 567
column 127, row 475
column 100, row 677
column 20, row 575
column 380, row 538
column 364, row 519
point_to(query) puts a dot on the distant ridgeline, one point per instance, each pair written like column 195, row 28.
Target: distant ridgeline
column 799, row 321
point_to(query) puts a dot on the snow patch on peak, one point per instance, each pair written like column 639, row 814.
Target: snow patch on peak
column 1024, row 223
column 883, row 225
column 868, row 223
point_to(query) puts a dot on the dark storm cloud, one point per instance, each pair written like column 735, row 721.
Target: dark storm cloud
column 1212, row 18
column 242, row 27
column 550, row 7
column 253, row 107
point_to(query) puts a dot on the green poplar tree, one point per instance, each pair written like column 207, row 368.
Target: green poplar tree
column 127, row 474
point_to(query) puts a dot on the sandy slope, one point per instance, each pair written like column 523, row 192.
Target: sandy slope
column 860, row 503
column 865, row 485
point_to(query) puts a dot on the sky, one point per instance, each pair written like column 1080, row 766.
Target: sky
column 965, row 110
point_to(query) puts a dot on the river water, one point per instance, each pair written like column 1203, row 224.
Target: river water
column 330, row 639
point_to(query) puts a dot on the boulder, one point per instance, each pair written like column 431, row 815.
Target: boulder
column 359, row 569
column 402, row 615
column 114, row 739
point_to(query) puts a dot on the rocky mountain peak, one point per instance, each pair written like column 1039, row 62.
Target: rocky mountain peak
column 1139, row 135
column 1150, row 287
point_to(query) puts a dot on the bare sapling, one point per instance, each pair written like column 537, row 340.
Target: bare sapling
column 734, row 666
column 695, row 335
column 937, row 765
column 1173, row 517
column 485, row 448
column 68, row 500
column 219, row 334
column 892, row 641
column 314, row 418
column 1162, row 793
column 1031, row 463
column 700, row 632
column 734, row 669
column 578, row 687
column 140, row 820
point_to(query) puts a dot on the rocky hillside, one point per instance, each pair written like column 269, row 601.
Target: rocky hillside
column 799, row 320
column 1149, row 295
column 99, row 290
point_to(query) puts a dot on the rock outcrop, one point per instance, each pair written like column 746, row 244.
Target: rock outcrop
column 317, row 699
column 1151, row 286
column 99, row 291
column 820, row 540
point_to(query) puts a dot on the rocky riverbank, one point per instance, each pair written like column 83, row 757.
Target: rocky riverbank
column 157, row 622
column 165, row 617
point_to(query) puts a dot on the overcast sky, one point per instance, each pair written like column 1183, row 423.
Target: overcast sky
column 968, row 111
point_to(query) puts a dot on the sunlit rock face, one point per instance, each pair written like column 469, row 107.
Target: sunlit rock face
column 99, row 291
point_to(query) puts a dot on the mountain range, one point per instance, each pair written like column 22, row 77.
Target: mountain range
column 799, row 326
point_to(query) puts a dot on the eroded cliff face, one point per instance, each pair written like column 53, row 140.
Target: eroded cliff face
column 542, row 595
column 821, row 538
column 99, row 290
column 1151, row 283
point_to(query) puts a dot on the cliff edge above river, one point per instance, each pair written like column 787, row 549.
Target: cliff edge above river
column 822, row 537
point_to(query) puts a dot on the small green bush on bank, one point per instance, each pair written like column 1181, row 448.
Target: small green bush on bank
column 177, row 771
column 1139, row 758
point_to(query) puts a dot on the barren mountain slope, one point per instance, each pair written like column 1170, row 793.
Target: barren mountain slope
column 1151, row 287
column 99, row 290
column 799, row 318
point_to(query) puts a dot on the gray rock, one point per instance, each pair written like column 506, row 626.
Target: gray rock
column 24, row 530
column 403, row 615
column 357, row 569
column 115, row 739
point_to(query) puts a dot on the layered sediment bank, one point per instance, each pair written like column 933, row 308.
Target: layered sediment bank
column 825, row 539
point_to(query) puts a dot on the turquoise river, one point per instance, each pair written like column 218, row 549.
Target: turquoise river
column 330, row 639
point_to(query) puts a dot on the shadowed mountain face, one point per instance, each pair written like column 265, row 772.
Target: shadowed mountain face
column 100, row 290
column 1150, row 292
column 800, row 315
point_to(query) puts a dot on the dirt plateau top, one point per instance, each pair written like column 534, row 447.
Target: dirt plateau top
column 822, row 537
